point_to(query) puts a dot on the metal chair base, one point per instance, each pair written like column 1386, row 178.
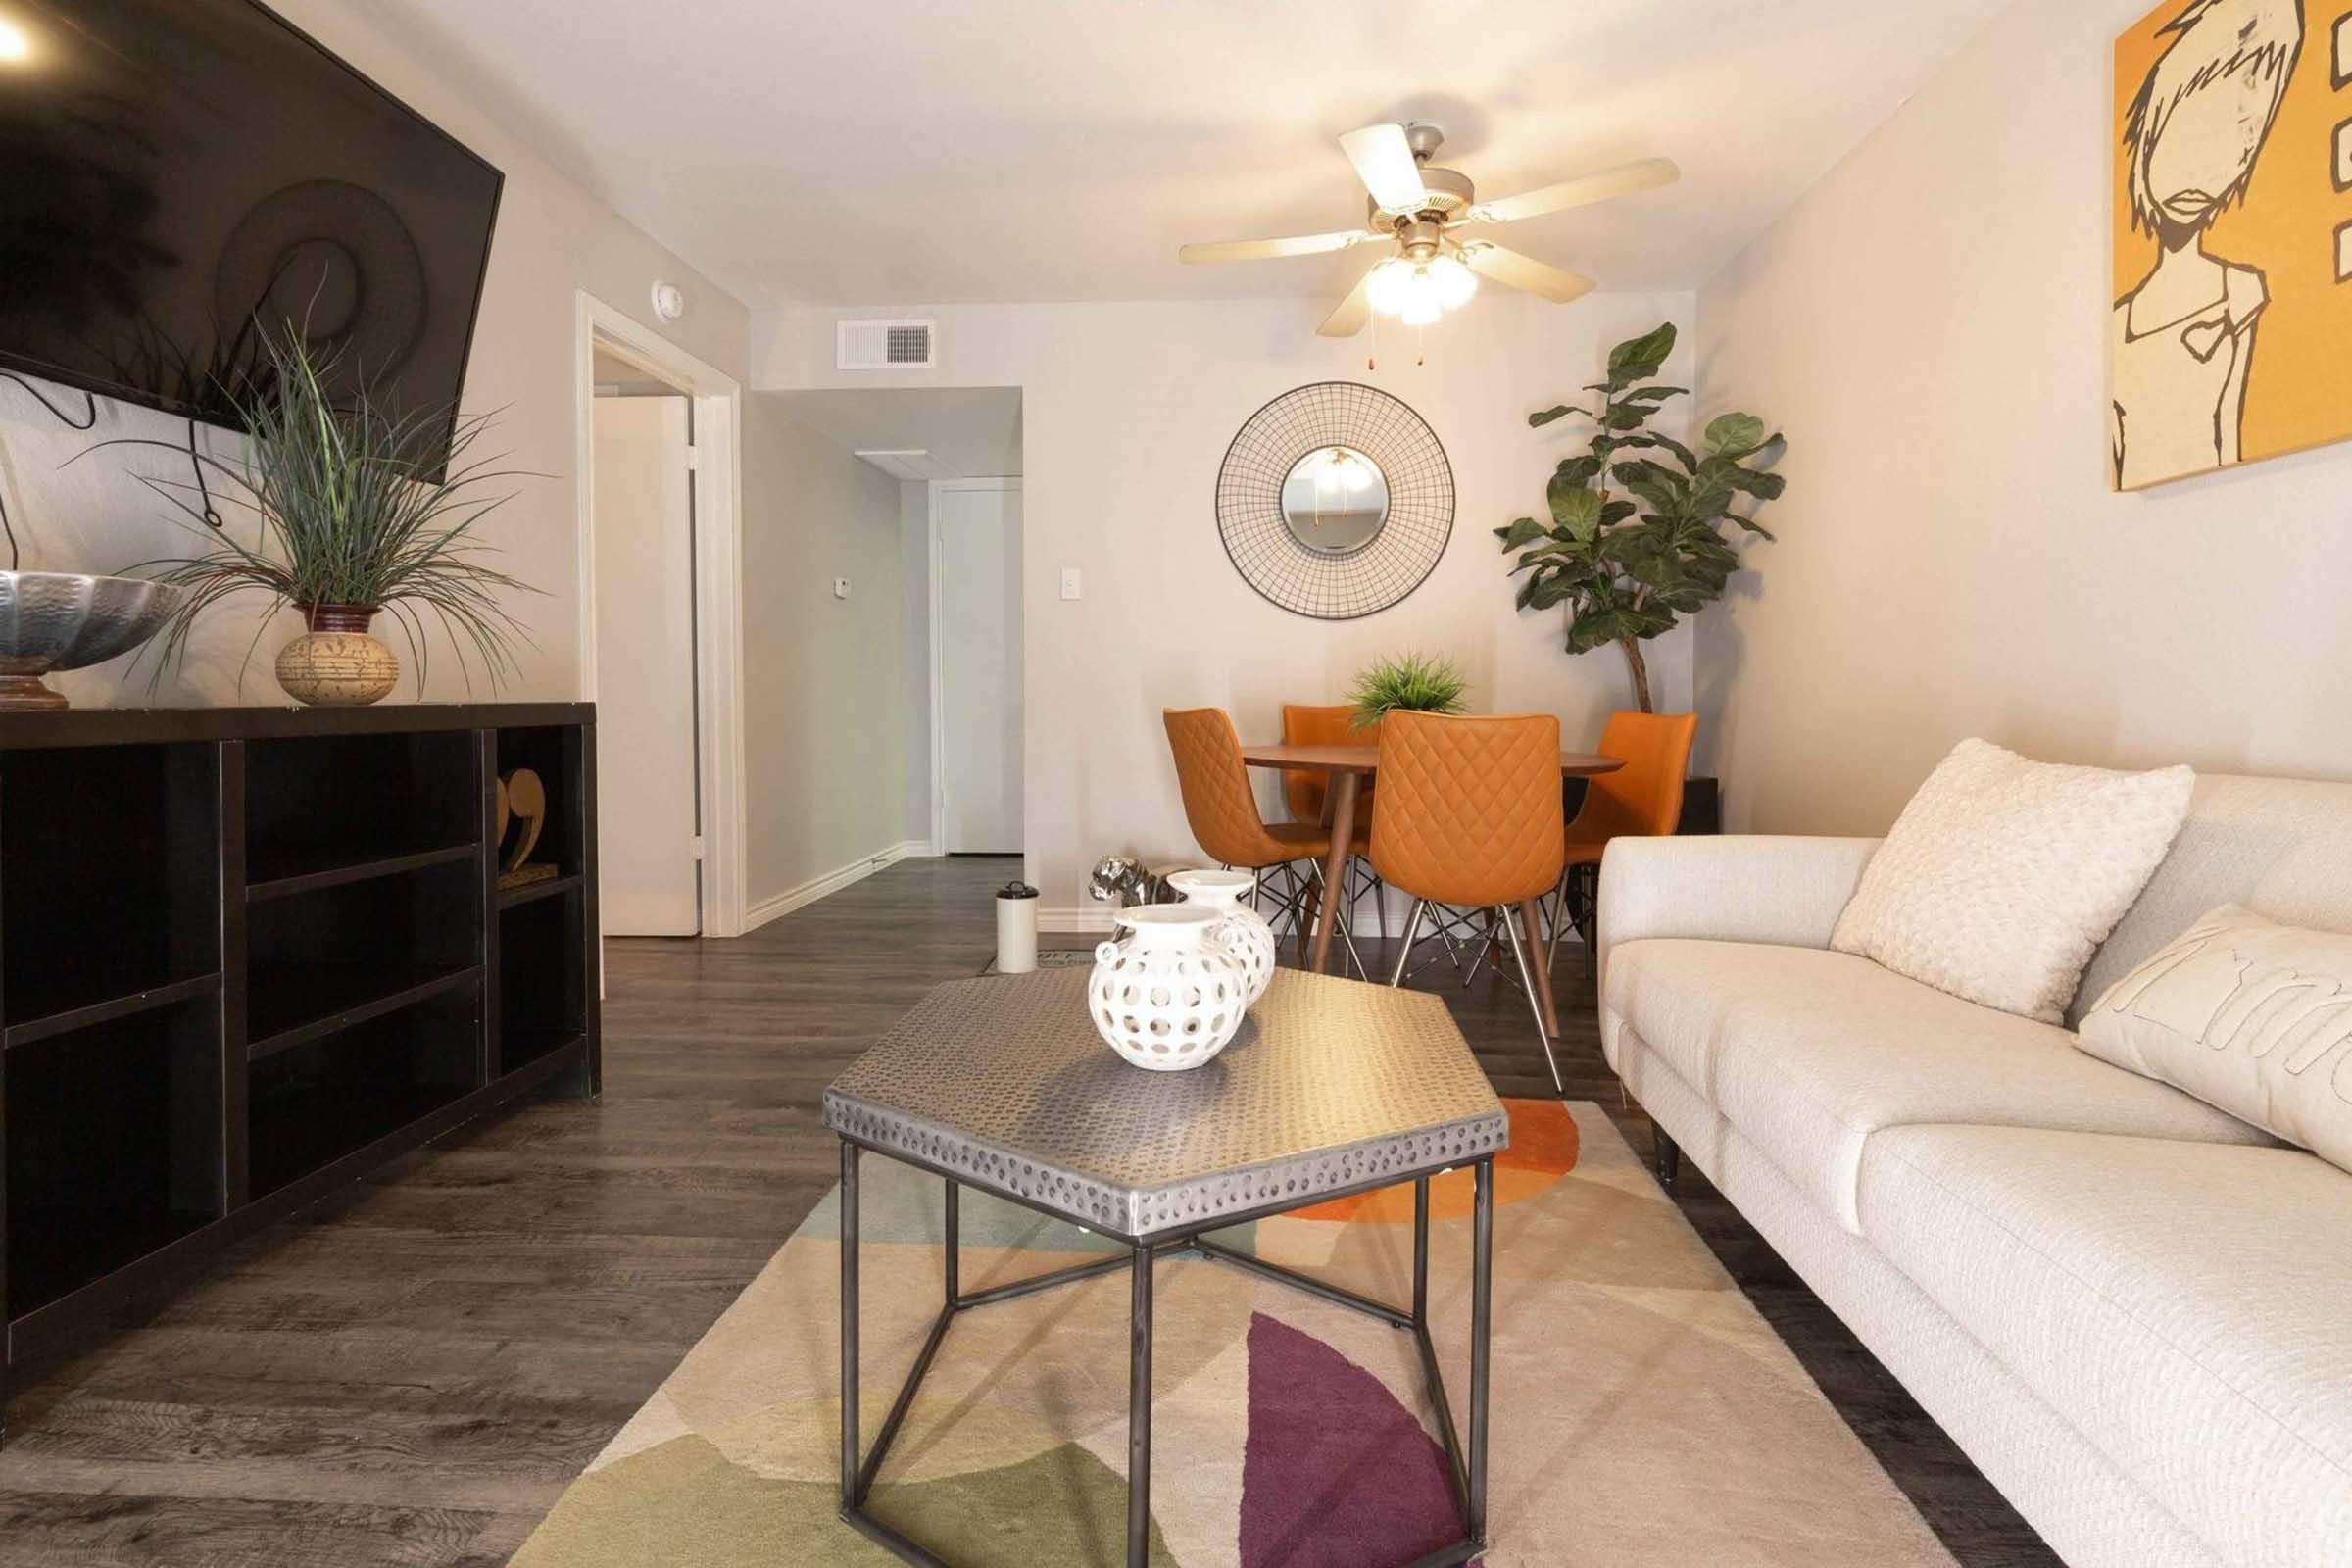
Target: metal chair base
column 1466, row 1458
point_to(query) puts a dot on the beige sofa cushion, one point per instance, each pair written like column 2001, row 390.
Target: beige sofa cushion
column 1810, row 1053
column 2003, row 875
column 2186, row 1307
column 2247, row 1015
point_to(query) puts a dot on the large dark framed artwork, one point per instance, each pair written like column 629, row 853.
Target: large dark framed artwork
column 1334, row 500
column 2231, row 316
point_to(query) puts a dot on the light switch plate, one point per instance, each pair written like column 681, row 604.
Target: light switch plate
column 841, row 587
column 1073, row 586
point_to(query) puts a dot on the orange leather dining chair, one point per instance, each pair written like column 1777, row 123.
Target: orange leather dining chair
column 1469, row 814
column 1642, row 798
column 1304, row 790
column 1222, row 809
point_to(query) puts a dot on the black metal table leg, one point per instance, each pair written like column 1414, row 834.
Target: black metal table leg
column 952, row 1239
column 1482, row 1334
column 848, row 1325
column 1139, row 1414
column 1421, row 1251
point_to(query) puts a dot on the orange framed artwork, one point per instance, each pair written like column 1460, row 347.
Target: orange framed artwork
column 2230, row 336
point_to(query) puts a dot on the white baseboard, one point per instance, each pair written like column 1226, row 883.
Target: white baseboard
column 778, row 905
column 1092, row 919
column 917, row 849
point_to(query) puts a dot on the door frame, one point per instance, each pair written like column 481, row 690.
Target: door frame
column 938, row 669
column 717, row 400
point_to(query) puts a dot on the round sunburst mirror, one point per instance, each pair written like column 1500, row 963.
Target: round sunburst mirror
column 1334, row 500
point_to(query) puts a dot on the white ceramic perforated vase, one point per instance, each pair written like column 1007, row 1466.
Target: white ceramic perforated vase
column 1243, row 931
column 1169, row 997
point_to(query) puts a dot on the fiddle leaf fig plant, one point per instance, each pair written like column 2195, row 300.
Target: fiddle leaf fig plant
column 1636, row 536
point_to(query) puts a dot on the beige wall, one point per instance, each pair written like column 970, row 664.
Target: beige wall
column 1929, row 326
column 1127, row 413
column 824, row 747
column 553, row 238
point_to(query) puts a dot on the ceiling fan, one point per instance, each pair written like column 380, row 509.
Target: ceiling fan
column 1425, row 212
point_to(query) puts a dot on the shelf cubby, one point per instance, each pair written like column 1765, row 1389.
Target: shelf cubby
column 327, row 1097
column 553, row 755
column 543, row 982
column 323, row 959
column 109, row 876
column 113, row 1147
column 316, row 805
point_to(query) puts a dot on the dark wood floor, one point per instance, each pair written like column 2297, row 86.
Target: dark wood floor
column 411, row 1372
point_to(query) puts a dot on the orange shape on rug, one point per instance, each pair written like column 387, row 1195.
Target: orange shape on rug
column 1543, row 1150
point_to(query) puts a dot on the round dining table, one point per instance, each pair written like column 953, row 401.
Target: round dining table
column 1347, row 767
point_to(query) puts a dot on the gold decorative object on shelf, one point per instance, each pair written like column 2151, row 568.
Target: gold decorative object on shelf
column 521, row 799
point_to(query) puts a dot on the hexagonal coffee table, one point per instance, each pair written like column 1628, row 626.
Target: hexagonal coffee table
column 1331, row 1088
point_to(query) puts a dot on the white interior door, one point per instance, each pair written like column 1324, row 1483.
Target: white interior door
column 979, row 557
column 645, row 779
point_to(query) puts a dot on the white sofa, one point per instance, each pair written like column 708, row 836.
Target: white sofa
column 2133, row 1311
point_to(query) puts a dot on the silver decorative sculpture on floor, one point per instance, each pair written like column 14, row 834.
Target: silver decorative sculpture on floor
column 1122, row 880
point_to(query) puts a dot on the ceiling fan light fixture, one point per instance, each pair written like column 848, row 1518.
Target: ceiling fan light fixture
column 1422, row 310
column 1387, row 290
column 1454, row 282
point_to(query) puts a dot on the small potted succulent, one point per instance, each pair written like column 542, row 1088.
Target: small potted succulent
column 362, row 508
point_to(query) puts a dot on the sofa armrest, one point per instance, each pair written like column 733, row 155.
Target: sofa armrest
column 1731, row 888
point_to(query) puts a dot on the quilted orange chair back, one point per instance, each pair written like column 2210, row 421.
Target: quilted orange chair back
column 1469, row 809
column 1644, row 797
column 1218, row 800
column 1305, row 724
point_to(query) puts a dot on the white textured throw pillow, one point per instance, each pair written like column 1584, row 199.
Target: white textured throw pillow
column 2003, row 875
column 2248, row 1015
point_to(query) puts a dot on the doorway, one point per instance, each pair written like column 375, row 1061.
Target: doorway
column 648, row 793
column 976, row 700
column 660, row 628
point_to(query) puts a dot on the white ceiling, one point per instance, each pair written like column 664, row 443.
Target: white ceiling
column 917, row 151
column 969, row 432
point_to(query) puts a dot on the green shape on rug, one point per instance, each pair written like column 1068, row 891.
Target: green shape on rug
column 683, row 1505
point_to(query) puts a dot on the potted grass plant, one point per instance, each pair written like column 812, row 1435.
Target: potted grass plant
column 1410, row 683
column 360, row 508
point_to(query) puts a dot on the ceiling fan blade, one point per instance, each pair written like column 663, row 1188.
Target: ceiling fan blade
column 1383, row 161
column 1253, row 249
column 1607, row 185
column 1348, row 317
column 1556, row 284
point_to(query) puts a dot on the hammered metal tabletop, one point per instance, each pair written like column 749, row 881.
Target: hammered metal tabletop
column 1331, row 1084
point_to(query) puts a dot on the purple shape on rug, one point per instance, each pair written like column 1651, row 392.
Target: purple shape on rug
column 1338, row 1473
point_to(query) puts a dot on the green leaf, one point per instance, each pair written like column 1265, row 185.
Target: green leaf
column 1578, row 470
column 1539, row 421
column 1664, row 443
column 1763, row 486
column 1522, row 533
column 1576, row 508
column 1622, row 416
column 1653, row 394
column 1735, row 435
column 1616, row 511
column 1637, row 359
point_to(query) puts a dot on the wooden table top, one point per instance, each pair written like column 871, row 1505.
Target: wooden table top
column 1366, row 760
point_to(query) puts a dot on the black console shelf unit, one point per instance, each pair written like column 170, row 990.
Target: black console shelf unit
column 248, row 955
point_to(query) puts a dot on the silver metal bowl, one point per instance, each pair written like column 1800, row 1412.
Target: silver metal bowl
column 52, row 620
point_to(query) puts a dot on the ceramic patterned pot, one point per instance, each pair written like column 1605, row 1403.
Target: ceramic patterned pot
column 335, row 663
column 1243, row 931
column 1169, row 997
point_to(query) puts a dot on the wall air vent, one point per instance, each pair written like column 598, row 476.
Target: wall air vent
column 866, row 345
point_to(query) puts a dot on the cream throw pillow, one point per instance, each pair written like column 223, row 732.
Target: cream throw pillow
column 2003, row 875
column 2248, row 1015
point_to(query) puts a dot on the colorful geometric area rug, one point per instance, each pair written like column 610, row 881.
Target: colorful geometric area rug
column 1642, row 1412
